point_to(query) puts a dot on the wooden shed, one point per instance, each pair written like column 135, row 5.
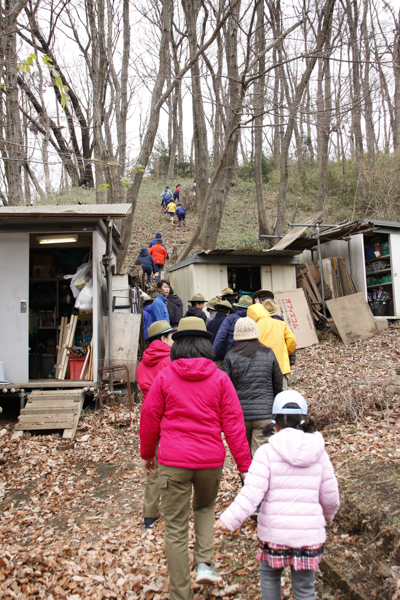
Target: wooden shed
column 39, row 245
column 242, row 270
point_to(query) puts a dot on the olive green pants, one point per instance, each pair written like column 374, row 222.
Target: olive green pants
column 254, row 434
column 151, row 496
column 176, row 489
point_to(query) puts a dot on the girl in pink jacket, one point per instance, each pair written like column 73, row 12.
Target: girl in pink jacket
column 293, row 476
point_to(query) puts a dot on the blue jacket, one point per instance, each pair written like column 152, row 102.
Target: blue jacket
column 181, row 210
column 224, row 341
column 147, row 320
column 148, row 263
column 159, row 310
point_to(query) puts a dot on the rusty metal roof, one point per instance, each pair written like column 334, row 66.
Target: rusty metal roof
column 71, row 211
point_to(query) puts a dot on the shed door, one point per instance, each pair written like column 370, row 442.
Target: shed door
column 14, row 306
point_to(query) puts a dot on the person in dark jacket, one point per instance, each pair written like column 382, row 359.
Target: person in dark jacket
column 175, row 308
column 154, row 242
column 181, row 214
column 210, row 309
column 159, row 310
column 224, row 341
column 257, row 378
column 223, row 308
column 196, row 307
column 147, row 318
column 148, row 264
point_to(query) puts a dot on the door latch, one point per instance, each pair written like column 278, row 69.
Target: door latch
column 24, row 306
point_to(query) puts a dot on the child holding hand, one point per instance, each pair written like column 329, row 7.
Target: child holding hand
column 294, row 477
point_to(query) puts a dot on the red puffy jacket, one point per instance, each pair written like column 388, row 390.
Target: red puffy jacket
column 155, row 358
column 159, row 253
column 189, row 405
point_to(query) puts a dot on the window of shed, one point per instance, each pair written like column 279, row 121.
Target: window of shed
column 244, row 279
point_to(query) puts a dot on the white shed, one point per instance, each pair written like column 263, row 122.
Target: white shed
column 38, row 245
column 371, row 249
column 244, row 271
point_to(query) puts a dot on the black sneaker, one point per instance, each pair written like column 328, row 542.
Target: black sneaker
column 149, row 523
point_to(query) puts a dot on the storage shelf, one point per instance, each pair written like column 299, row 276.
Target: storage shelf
column 378, row 258
column 379, row 285
column 379, row 272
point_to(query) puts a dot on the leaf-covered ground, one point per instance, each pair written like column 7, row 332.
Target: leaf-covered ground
column 71, row 513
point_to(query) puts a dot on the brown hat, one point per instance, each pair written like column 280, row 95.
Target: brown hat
column 198, row 298
column 159, row 328
column 211, row 304
column 243, row 302
column 270, row 306
column 265, row 293
column 191, row 326
column 223, row 303
column 227, row 292
column 245, row 329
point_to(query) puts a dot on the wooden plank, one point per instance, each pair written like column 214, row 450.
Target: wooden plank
column 56, row 393
column 34, row 410
column 314, row 272
column 353, row 318
column 42, row 426
column 125, row 340
column 312, row 281
column 296, row 232
column 309, row 291
column 56, row 418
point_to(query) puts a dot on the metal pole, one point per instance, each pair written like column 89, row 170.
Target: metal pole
column 109, row 291
column 321, row 271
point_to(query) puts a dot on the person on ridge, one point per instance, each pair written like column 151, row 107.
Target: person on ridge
column 177, row 192
column 224, row 340
column 171, row 208
column 159, row 311
column 154, row 242
column 155, row 358
column 181, row 214
column 174, row 307
column 148, row 264
column 276, row 335
column 291, row 472
column 196, row 307
column 159, row 253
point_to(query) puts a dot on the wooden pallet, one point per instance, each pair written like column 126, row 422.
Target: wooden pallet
column 51, row 409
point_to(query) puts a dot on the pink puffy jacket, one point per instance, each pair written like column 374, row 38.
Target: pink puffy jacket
column 188, row 406
column 294, row 476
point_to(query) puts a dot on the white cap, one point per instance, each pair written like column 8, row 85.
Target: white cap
column 289, row 402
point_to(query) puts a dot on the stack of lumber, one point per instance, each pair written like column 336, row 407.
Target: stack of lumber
column 337, row 283
column 65, row 341
column 51, row 409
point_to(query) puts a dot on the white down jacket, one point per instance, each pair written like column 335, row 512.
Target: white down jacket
column 295, row 478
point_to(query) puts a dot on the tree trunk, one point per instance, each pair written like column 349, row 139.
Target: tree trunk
column 259, row 88
column 283, row 185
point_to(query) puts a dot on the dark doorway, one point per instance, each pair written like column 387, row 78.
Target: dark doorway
column 244, row 279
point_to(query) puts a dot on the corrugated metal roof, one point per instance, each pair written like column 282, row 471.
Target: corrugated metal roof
column 101, row 211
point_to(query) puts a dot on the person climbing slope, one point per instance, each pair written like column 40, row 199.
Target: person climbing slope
column 159, row 254
column 148, row 264
column 171, row 208
column 181, row 214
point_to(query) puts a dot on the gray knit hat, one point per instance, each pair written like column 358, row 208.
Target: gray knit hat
column 245, row 329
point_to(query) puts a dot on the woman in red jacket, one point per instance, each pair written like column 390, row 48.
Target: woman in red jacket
column 189, row 405
column 155, row 358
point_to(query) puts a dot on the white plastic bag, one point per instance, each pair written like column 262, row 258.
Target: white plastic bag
column 84, row 300
column 80, row 278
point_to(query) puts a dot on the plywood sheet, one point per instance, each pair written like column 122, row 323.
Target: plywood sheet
column 125, row 340
column 296, row 232
column 353, row 318
column 297, row 315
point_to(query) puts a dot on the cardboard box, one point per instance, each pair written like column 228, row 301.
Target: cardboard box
column 296, row 314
